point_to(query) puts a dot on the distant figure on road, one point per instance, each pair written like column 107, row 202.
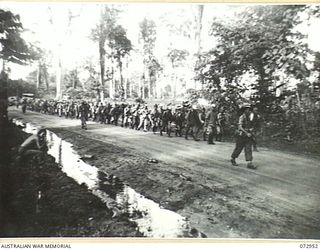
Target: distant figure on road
column 84, row 111
column 244, row 138
column 179, row 117
column 220, row 124
column 167, row 118
column 193, row 122
column 34, row 145
column 210, row 124
column 24, row 106
column 202, row 118
column 155, row 116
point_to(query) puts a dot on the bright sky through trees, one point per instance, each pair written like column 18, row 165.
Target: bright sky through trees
column 49, row 26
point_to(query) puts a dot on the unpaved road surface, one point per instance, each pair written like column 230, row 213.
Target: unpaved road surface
column 281, row 199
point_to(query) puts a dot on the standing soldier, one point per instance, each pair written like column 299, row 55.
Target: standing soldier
column 59, row 108
column 155, row 116
column 202, row 117
column 127, row 114
column 84, row 111
column 210, row 124
column 143, row 114
column 166, row 121
column 116, row 114
column 244, row 138
column 193, row 122
column 24, row 105
column 220, row 124
column 179, row 119
column 100, row 112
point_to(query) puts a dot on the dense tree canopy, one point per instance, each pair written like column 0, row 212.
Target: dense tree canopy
column 13, row 46
column 262, row 41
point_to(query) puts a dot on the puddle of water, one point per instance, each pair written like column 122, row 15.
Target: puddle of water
column 151, row 219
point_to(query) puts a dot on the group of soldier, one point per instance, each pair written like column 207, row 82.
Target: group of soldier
column 179, row 120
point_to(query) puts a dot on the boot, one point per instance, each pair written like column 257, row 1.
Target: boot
column 233, row 162
column 251, row 166
column 210, row 139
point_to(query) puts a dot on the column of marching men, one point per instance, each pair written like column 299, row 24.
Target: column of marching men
column 172, row 120
column 179, row 120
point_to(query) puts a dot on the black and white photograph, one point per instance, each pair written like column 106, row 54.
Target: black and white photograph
column 160, row 120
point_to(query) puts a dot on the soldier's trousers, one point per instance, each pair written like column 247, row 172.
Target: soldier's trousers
column 210, row 131
column 195, row 131
column 165, row 128
column 219, row 133
column 243, row 142
column 83, row 122
column 179, row 129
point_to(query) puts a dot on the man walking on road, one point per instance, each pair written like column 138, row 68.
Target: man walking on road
column 220, row 124
column 244, row 138
column 84, row 111
column 193, row 122
column 166, row 121
column 210, row 124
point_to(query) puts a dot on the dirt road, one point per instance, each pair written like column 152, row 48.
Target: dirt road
column 281, row 199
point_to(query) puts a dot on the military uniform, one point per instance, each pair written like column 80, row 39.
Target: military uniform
column 84, row 111
column 243, row 140
column 179, row 119
column 166, row 122
column 194, row 123
column 220, row 124
column 155, row 116
column 210, row 122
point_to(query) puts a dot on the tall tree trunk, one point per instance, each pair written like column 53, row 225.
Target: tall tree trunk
column 140, row 87
column 175, row 86
column 113, row 84
column 197, row 36
column 127, row 82
column 150, row 86
column 46, row 77
column 74, row 79
column 58, row 79
column 102, row 54
column 154, row 92
column 38, row 75
column 121, row 79
column 199, row 27
column 173, row 80
column 73, row 82
column 130, row 88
